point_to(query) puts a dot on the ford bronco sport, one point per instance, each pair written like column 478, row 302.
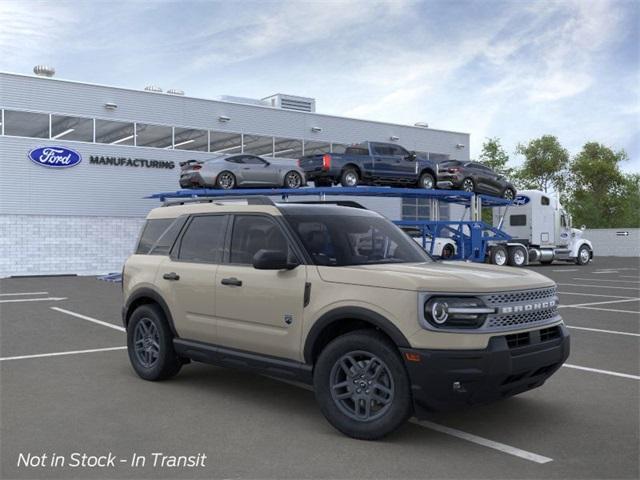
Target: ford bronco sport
column 341, row 299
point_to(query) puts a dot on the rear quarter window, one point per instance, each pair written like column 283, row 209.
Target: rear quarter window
column 151, row 233
column 356, row 151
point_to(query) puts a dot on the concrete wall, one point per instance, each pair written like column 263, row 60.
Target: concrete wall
column 609, row 242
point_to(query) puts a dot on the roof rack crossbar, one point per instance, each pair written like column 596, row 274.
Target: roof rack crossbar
column 251, row 200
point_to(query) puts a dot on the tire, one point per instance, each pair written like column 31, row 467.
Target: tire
column 342, row 362
column 292, row 180
column 584, row 255
column 448, row 251
column 349, row 178
column 427, row 181
column 226, row 180
column 468, row 185
column 148, row 332
column 517, row 256
column 499, row 255
column 508, row 194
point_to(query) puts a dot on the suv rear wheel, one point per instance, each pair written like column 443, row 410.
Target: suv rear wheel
column 362, row 386
column 150, row 344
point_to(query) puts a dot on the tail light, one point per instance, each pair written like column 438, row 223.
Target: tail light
column 326, row 161
column 196, row 167
column 454, row 170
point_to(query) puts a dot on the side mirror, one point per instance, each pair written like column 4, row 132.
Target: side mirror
column 583, row 228
column 412, row 156
column 272, row 260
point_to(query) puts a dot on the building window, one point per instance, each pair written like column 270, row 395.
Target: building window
column 225, row 142
column 287, row 148
column 157, row 136
column 114, row 133
column 315, row 148
column 258, row 145
column 71, row 128
column 26, row 124
column 190, row 139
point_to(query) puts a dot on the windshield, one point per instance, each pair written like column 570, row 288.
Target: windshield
column 341, row 240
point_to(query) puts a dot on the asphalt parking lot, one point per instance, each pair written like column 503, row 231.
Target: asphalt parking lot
column 66, row 386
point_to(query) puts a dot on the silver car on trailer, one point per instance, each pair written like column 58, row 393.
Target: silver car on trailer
column 241, row 170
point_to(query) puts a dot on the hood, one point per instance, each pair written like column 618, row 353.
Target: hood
column 458, row 277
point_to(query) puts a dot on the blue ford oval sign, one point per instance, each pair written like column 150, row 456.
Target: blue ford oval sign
column 55, row 157
column 521, row 200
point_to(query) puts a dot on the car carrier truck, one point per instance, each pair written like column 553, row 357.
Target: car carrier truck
column 540, row 231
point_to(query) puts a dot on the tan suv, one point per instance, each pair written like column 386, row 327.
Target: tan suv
column 339, row 298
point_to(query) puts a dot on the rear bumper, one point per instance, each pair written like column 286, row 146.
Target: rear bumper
column 192, row 180
column 449, row 181
column 450, row 379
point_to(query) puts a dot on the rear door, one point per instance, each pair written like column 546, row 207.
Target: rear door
column 383, row 160
column 259, row 310
column 187, row 277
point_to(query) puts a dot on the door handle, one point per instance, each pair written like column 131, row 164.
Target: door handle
column 171, row 276
column 232, row 282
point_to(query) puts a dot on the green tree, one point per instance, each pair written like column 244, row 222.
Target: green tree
column 494, row 156
column 545, row 164
column 600, row 195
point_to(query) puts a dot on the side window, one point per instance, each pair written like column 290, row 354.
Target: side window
column 252, row 233
column 167, row 239
column 544, row 201
column 235, row 159
column 203, row 240
column 563, row 220
column 399, row 151
column 151, row 233
column 518, row 220
column 251, row 160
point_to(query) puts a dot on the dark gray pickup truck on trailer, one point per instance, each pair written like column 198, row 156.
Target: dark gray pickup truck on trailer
column 371, row 163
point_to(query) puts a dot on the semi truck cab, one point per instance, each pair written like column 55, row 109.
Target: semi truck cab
column 538, row 221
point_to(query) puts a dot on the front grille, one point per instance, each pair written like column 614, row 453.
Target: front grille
column 522, row 296
column 520, row 319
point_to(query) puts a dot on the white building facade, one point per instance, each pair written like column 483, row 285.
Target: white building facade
column 85, row 219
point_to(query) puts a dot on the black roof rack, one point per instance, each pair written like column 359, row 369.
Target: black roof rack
column 340, row 203
column 251, row 200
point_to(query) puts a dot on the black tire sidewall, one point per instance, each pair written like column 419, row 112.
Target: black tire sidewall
column 375, row 343
column 168, row 362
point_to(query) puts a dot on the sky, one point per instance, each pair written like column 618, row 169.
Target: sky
column 514, row 70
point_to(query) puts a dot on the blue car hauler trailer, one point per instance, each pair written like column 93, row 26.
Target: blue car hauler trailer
column 473, row 237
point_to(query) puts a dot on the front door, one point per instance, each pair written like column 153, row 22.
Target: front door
column 257, row 171
column 188, row 277
column 259, row 310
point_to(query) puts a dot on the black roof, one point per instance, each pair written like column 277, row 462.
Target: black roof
column 327, row 209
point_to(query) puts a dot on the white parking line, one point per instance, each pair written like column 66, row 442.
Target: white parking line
column 604, row 331
column 516, row 452
column 606, row 372
column 605, row 280
column 89, row 319
column 598, row 303
column 567, row 270
column 609, row 310
column 23, row 293
column 614, row 287
column 628, row 276
column 592, row 295
column 57, row 354
column 453, row 432
column 19, row 300
column 604, row 272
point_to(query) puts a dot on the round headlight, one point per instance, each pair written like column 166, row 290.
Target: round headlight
column 439, row 312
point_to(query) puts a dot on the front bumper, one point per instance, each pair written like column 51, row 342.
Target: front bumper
column 511, row 364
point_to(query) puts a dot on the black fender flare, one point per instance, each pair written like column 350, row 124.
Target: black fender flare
column 154, row 296
column 352, row 313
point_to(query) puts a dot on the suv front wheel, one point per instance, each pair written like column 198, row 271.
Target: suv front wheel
column 150, row 344
column 362, row 386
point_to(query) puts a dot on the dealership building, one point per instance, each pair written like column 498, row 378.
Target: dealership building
column 85, row 219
